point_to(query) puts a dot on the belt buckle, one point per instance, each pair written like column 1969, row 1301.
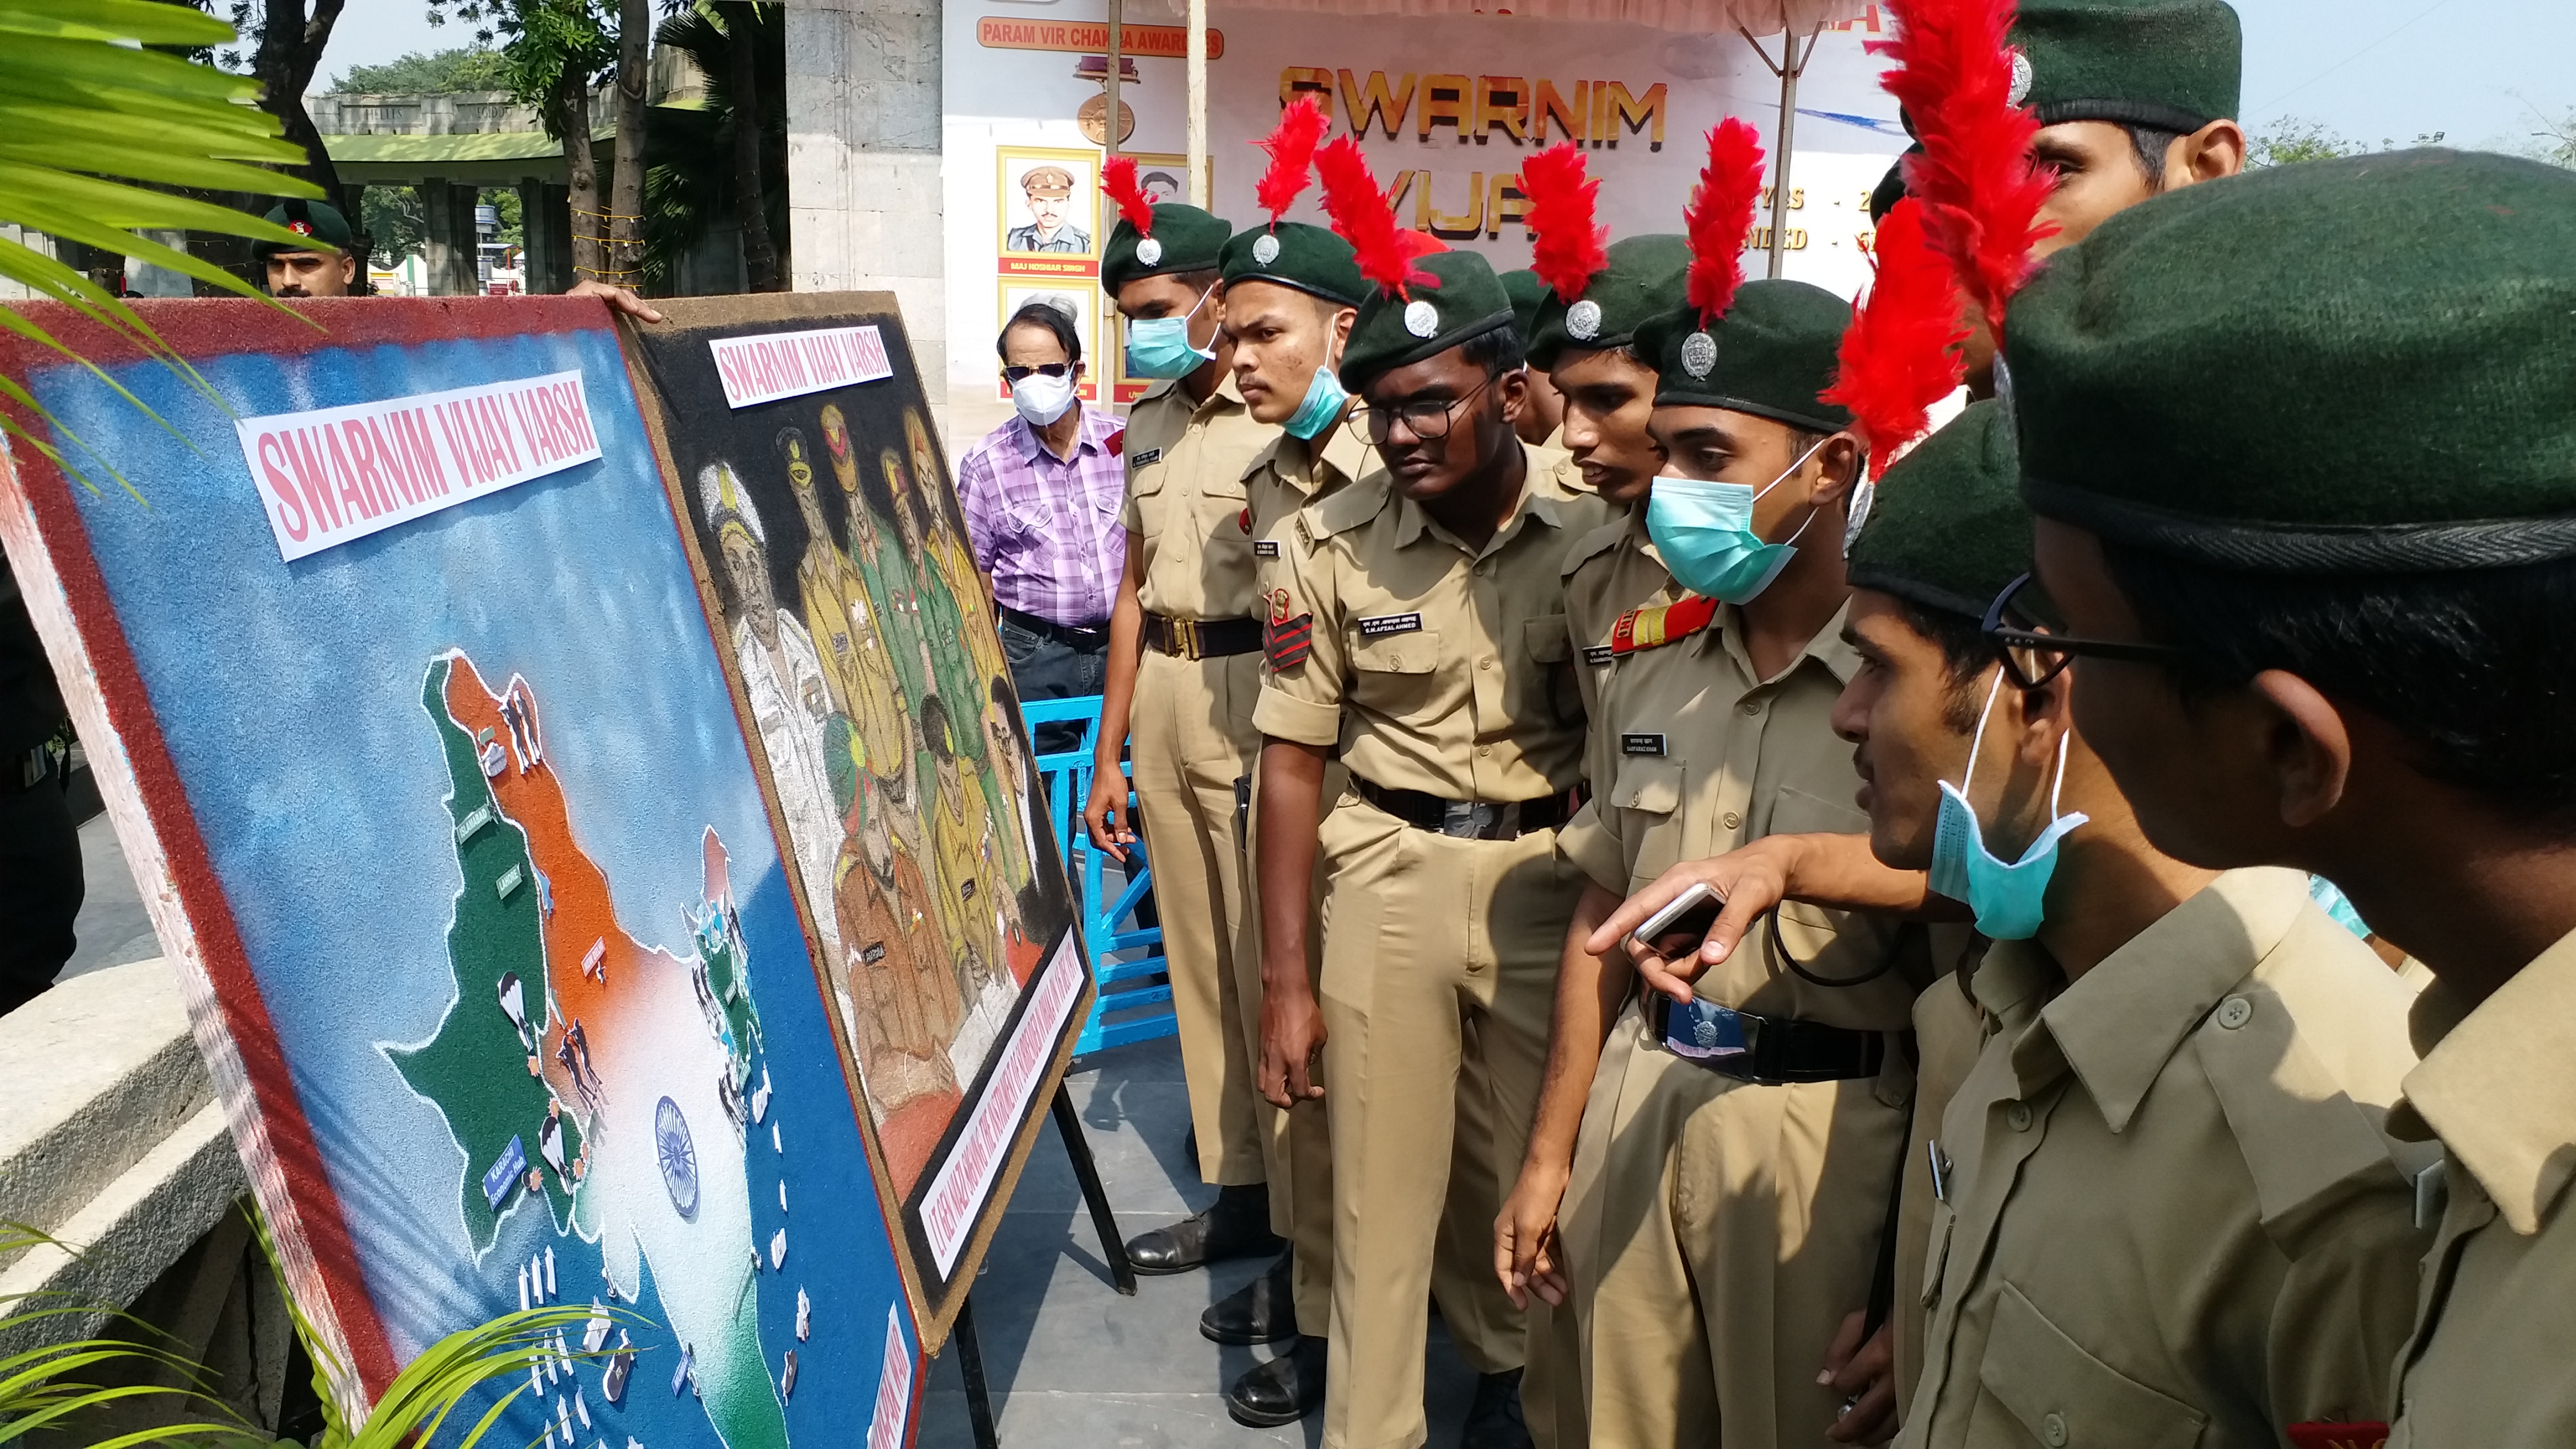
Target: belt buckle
column 1467, row 819
column 1187, row 632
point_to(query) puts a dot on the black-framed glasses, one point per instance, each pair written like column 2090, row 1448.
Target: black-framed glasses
column 1427, row 421
column 2033, row 657
column 1017, row 374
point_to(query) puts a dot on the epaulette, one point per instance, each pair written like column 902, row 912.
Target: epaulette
column 1344, row 509
column 1661, row 624
column 1593, row 545
column 1268, row 457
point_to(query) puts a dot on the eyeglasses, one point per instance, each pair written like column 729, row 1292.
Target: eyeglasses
column 1043, row 369
column 2033, row 657
column 1427, row 421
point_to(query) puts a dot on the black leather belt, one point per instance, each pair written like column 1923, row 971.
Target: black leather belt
column 1202, row 638
column 1766, row 1049
column 1470, row 819
column 1078, row 636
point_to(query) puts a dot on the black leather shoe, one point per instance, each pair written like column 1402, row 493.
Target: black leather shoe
column 1261, row 1311
column 1282, row 1391
column 1494, row 1421
column 1237, row 1226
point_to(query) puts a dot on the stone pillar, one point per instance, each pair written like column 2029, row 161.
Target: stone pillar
column 864, row 205
column 448, row 254
column 545, row 217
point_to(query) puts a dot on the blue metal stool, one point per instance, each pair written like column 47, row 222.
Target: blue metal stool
column 1135, row 1002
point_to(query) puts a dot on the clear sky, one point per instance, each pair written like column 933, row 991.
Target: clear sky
column 2368, row 69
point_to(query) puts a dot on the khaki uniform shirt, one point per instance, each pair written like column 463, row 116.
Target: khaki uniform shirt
column 2489, row 1365
column 1185, row 500
column 1291, row 472
column 2172, row 1216
column 1692, row 756
column 1434, row 666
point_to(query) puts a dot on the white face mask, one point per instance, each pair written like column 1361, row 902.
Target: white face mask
column 1042, row 399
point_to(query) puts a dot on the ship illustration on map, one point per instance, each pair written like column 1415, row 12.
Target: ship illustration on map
column 607, row 1083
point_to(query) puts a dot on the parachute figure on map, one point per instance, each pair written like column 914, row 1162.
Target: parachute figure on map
column 782, row 677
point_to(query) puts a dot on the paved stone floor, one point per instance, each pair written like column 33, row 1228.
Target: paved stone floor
column 1071, row 1364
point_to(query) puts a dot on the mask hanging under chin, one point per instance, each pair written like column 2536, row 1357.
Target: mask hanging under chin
column 2008, row 899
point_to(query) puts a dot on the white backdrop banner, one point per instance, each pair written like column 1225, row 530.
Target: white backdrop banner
column 1447, row 107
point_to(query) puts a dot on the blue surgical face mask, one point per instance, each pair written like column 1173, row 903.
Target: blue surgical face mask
column 1705, row 533
column 2009, row 899
column 1159, row 347
column 1325, row 399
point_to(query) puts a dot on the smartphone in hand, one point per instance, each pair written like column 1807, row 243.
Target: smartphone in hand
column 1689, row 914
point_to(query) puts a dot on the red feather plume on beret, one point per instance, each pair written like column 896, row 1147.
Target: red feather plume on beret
column 1570, row 248
column 1292, row 154
column 1720, row 217
column 1901, row 353
column 1980, row 190
column 1118, row 178
column 1362, row 217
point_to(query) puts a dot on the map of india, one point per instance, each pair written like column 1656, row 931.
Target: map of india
column 613, row 1086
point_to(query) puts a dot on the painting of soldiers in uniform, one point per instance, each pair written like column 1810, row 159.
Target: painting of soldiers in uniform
column 870, row 674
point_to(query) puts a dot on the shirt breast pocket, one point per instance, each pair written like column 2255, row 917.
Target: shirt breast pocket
column 1145, row 490
column 1810, row 931
column 2057, row 1394
column 1397, row 675
column 1648, row 795
column 1550, row 653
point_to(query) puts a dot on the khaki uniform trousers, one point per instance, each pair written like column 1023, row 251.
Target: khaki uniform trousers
column 1299, row 1141
column 1190, row 739
column 1439, row 971
column 1716, row 1237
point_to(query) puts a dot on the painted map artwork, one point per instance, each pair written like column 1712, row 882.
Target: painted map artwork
column 457, row 833
column 871, row 673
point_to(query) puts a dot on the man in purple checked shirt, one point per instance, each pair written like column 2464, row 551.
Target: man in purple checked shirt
column 1041, row 495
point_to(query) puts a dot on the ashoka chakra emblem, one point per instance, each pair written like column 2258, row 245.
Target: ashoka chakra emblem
column 677, row 1155
column 1699, row 354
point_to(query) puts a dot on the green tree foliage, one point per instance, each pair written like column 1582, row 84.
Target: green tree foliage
column 465, row 68
column 396, row 223
column 2292, row 139
column 693, row 180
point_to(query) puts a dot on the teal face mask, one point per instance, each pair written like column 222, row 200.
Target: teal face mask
column 1159, row 347
column 1705, row 533
column 2008, row 899
column 1325, row 398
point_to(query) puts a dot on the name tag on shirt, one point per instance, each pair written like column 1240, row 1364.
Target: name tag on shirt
column 1145, row 459
column 1265, row 548
column 1641, row 744
column 1390, row 624
column 1599, row 656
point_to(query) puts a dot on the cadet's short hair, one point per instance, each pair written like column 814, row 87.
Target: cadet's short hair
column 2149, row 145
column 1497, row 350
column 2471, row 667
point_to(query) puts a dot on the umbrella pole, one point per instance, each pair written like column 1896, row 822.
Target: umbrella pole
column 1792, row 64
column 1109, row 82
column 1198, row 152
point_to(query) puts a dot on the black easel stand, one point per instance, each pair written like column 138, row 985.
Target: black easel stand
column 970, row 1354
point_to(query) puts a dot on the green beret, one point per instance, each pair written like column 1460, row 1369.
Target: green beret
column 1949, row 530
column 1185, row 239
column 1526, row 292
column 2384, row 378
column 1463, row 301
column 1309, row 258
column 1890, row 188
column 1643, row 279
column 2176, row 65
column 316, row 219
column 1775, row 349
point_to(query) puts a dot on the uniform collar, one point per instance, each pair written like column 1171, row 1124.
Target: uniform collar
column 1826, row 648
column 1542, row 498
column 2118, row 1024
column 2499, row 1086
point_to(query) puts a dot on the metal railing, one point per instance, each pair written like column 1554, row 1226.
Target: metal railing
column 1135, row 1001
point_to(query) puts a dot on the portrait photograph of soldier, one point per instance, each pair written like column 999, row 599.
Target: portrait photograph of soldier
column 1048, row 199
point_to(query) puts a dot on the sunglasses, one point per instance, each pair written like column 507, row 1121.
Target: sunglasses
column 1044, row 369
column 2033, row 657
